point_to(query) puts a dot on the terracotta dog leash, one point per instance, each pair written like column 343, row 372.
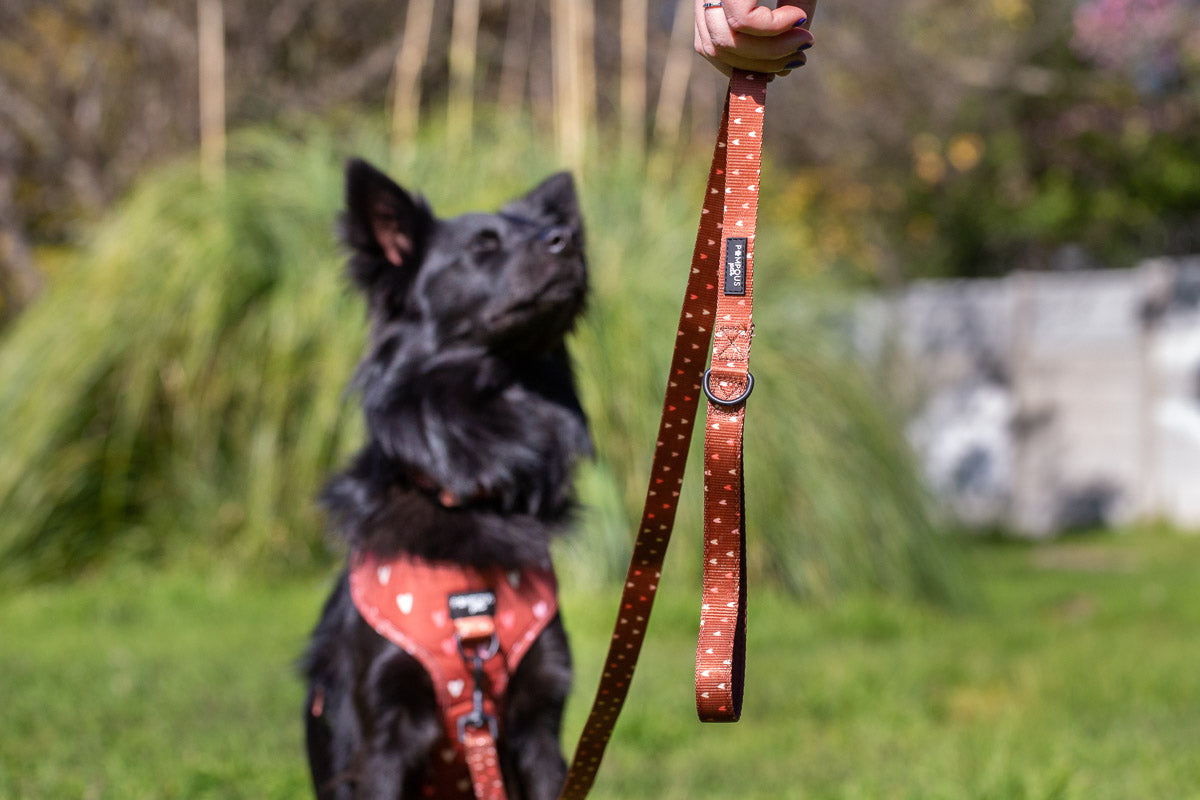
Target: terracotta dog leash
column 716, row 307
column 721, row 647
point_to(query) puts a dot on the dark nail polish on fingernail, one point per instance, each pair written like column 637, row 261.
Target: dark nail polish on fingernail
column 801, row 23
column 794, row 65
column 803, row 47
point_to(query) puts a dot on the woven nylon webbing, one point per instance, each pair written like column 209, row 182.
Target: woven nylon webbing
column 483, row 762
column 732, row 181
column 721, row 646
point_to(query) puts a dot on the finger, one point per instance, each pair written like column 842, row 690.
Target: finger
column 726, row 49
column 747, row 16
column 760, row 48
column 704, row 42
column 715, row 37
column 768, row 67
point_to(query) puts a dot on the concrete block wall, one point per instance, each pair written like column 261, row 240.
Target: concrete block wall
column 1042, row 402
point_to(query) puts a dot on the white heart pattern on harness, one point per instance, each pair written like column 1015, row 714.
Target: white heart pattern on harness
column 405, row 602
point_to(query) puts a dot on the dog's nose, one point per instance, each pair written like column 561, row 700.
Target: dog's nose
column 558, row 240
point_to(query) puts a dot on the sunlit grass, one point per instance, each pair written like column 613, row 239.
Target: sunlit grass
column 1075, row 679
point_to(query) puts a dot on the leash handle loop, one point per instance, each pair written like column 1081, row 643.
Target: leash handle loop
column 721, row 643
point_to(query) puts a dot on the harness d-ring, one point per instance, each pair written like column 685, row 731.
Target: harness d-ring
column 712, row 398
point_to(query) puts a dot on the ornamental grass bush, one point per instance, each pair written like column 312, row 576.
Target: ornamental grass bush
column 179, row 391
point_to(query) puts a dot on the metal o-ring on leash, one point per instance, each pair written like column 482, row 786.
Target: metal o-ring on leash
column 741, row 398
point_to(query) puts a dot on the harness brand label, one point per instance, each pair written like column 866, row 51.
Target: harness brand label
column 735, row 267
column 472, row 604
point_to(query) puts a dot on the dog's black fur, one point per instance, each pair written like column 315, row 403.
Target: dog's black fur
column 473, row 427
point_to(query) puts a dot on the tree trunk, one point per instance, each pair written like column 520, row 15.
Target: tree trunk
column 573, row 23
column 410, row 61
column 210, row 27
column 676, row 72
column 585, row 55
column 633, row 75
column 566, row 82
column 518, row 49
column 464, row 34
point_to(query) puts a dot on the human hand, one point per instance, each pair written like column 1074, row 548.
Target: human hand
column 750, row 36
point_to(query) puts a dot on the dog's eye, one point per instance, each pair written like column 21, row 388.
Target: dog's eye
column 484, row 244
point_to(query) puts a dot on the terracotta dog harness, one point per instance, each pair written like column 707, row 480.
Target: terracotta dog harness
column 469, row 629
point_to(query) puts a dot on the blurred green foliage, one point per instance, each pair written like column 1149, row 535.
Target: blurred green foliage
column 939, row 138
column 928, row 138
column 1091, row 164
column 178, row 393
column 174, row 384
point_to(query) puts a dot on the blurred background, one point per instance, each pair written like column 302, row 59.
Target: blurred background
column 976, row 429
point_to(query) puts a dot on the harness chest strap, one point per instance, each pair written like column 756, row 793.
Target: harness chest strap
column 469, row 629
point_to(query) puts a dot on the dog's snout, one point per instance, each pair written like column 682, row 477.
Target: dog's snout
column 559, row 240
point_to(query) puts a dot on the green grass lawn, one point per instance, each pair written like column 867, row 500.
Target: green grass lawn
column 1078, row 677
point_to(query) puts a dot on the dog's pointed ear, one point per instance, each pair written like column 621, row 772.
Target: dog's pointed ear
column 381, row 219
column 554, row 199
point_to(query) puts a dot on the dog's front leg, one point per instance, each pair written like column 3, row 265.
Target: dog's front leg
column 537, row 696
column 401, row 726
column 540, row 766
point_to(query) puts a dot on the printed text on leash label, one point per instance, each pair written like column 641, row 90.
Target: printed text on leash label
column 735, row 266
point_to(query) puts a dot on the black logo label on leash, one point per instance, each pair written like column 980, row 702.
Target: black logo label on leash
column 472, row 604
column 735, row 267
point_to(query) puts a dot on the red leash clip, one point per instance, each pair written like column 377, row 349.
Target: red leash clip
column 477, row 640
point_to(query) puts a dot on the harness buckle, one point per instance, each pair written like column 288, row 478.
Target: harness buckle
column 479, row 653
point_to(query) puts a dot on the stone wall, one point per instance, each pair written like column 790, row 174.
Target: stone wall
column 1042, row 402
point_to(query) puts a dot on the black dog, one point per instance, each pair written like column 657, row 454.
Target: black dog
column 473, row 429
